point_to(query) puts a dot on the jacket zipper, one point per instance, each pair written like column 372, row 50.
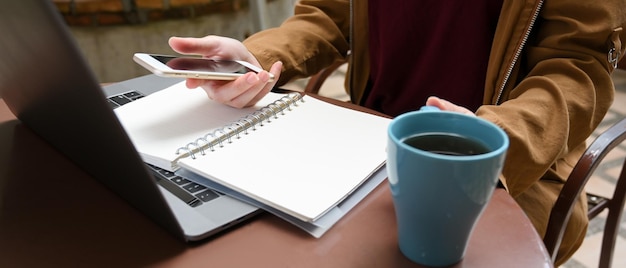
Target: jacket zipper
column 518, row 52
column 351, row 35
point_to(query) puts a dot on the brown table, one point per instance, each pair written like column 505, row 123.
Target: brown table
column 52, row 214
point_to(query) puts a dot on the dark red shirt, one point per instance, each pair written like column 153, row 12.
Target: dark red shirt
column 422, row 48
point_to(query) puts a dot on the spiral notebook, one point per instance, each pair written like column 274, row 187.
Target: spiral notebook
column 292, row 153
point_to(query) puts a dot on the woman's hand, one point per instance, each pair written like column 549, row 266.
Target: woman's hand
column 242, row 92
column 445, row 105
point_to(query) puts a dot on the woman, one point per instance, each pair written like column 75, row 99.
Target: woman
column 539, row 69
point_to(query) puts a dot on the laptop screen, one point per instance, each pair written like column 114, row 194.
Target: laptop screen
column 47, row 84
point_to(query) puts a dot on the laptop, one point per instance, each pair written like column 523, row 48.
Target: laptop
column 49, row 87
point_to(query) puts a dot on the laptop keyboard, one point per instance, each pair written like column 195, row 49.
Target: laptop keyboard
column 121, row 99
column 189, row 192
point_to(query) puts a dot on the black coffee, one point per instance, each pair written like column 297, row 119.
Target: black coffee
column 447, row 144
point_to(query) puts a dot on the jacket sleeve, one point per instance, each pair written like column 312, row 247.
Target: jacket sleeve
column 313, row 38
column 562, row 89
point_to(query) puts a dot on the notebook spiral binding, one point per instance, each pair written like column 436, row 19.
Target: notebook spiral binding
column 233, row 130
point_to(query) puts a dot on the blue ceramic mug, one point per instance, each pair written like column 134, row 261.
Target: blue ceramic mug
column 443, row 168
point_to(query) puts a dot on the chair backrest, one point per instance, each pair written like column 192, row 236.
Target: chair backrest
column 316, row 81
column 615, row 205
column 575, row 185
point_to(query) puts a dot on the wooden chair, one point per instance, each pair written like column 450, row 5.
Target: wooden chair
column 575, row 185
column 316, row 81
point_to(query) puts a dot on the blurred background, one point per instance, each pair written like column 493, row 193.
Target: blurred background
column 109, row 32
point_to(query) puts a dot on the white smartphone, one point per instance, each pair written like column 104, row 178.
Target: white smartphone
column 195, row 67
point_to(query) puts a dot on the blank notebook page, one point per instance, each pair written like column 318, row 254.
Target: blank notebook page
column 304, row 162
column 162, row 122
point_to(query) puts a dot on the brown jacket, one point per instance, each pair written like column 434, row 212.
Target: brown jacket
column 548, row 82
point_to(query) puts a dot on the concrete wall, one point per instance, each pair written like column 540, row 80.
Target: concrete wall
column 109, row 49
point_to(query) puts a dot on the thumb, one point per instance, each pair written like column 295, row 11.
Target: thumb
column 276, row 69
column 190, row 45
column 445, row 105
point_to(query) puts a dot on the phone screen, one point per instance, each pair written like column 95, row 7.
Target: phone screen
column 202, row 65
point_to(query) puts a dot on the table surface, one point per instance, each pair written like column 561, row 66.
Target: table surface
column 53, row 214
